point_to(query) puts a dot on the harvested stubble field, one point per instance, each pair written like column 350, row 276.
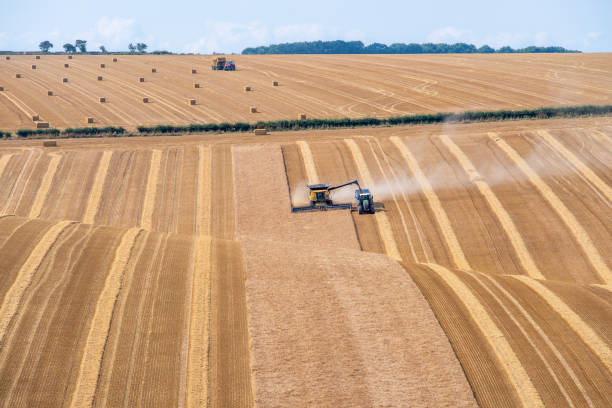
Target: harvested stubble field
column 166, row 271
column 318, row 86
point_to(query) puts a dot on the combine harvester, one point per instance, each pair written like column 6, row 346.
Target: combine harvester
column 222, row 64
column 320, row 200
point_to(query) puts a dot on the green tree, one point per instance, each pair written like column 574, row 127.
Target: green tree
column 69, row 48
column 485, row 49
column 376, row 48
column 506, row 49
column 45, row 46
column 132, row 47
column 81, row 45
column 142, row 47
column 103, row 49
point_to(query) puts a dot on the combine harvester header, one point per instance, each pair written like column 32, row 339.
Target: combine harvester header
column 321, row 201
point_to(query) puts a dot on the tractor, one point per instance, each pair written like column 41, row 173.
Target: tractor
column 222, row 64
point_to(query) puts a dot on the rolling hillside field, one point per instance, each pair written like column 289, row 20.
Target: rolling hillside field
column 169, row 271
column 318, row 86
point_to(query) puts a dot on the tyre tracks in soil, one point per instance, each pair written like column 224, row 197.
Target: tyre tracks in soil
column 569, row 219
column 229, row 381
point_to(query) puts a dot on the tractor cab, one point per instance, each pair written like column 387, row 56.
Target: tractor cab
column 365, row 201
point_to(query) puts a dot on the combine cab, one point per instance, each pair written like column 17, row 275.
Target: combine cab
column 320, row 200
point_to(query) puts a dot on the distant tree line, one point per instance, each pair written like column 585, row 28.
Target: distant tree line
column 81, row 46
column 357, row 47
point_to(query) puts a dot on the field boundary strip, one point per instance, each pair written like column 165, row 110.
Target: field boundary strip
column 146, row 218
column 91, row 361
column 343, row 123
column 601, row 349
column 309, row 164
column 204, row 188
column 497, row 208
column 384, row 227
column 197, row 366
column 19, row 104
column 13, row 296
column 416, row 225
column 444, row 223
column 601, row 136
column 119, row 318
column 45, row 185
column 4, row 162
column 93, row 202
column 416, row 119
column 580, row 235
column 479, row 277
column 505, row 355
column 577, row 163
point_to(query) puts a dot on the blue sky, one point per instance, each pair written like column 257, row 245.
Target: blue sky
column 230, row 26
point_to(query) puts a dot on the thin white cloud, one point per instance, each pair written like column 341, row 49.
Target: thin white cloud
column 234, row 37
column 591, row 37
column 502, row 39
column 449, row 34
column 352, row 35
column 541, row 39
column 298, row 32
column 227, row 37
column 115, row 31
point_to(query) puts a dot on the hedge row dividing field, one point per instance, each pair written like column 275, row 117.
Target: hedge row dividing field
column 304, row 124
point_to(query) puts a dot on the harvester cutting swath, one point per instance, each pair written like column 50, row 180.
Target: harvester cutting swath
column 321, row 201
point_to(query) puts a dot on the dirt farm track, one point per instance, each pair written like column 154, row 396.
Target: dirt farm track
column 170, row 272
column 318, row 86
